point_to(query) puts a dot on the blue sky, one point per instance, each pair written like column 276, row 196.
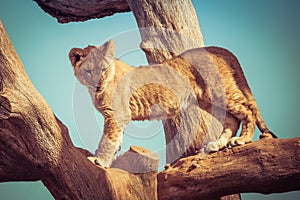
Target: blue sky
column 263, row 34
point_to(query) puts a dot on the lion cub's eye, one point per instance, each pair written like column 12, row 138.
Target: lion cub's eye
column 88, row 71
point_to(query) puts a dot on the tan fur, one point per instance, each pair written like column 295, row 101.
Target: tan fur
column 204, row 77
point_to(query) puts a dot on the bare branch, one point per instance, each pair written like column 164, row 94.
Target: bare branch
column 81, row 10
column 265, row 166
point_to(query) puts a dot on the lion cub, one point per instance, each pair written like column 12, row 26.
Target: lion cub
column 206, row 77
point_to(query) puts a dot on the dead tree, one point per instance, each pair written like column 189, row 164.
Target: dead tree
column 35, row 145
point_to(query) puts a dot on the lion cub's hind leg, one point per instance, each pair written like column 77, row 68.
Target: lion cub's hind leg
column 247, row 118
column 230, row 129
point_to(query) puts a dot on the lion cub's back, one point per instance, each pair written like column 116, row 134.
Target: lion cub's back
column 216, row 68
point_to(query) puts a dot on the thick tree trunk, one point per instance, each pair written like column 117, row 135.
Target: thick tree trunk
column 163, row 36
column 35, row 145
column 168, row 28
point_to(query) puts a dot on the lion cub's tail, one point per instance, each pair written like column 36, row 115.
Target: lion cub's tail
column 260, row 122
column 262, row 125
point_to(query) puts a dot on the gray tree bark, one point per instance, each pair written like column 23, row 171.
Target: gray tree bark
column 265, row 166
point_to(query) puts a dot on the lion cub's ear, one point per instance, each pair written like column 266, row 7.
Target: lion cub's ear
column 109, row 51
column 104, row 56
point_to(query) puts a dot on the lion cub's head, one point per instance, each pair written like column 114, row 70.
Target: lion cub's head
column 92, row 65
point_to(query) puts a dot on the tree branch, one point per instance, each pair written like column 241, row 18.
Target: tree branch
column 265, row 166
column 77, row 10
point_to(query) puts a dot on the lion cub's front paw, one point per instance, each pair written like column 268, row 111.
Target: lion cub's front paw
column 217, row 145
column 96, row 161
column 212, row 147
column 266, row 135
column 237, row 141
